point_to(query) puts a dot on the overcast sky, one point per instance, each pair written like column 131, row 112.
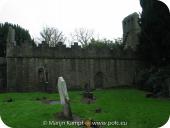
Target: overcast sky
column 103, row 16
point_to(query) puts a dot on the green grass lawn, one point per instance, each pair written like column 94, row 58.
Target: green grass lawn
column 128, row 105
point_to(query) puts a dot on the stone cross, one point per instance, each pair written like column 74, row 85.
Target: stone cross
column 64, row 98
column 87, row 92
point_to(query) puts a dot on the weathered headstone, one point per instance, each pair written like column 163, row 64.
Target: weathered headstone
column 64, row 98
column 87, row 91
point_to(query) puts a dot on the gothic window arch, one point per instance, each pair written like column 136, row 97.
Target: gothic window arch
column 42, row 75
column 99, row 80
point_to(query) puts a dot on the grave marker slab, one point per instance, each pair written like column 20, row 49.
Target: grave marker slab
column 64, row 98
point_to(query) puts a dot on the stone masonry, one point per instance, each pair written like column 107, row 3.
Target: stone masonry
column 38, row 68
column 131, row 30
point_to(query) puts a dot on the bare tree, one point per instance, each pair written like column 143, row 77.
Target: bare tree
column 52, row 36
column 82, row 36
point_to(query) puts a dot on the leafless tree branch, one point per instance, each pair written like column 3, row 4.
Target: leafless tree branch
column 82, row 36
column 52, row 36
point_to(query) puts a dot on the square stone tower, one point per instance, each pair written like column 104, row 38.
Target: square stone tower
column 131, row 30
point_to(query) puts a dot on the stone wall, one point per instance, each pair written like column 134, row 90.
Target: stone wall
column 2, row 74
column 38, row 68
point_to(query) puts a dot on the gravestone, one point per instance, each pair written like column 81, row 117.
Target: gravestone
column 87, row 92
column 64, row 98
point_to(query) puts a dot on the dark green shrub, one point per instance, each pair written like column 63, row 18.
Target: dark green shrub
column 155, row 80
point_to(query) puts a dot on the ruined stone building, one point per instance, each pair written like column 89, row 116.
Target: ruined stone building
column 131, row 30
column 38, row 68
